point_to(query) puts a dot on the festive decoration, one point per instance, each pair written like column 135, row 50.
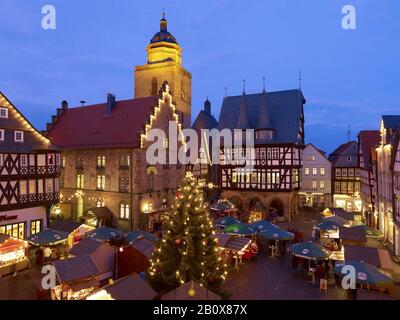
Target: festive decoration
column 187, row 251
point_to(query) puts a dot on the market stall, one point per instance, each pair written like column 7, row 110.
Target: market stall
column 135, row 257
column 134, row 235
column 224, row 222
column 309, row 257
column 49, row 245
column 76, row 278
column 240, row 229
column 368, row 276
column 131, row 287
column 277, row 239
column 104, row 234
column 102, row 254
column 13, row 255
column 375, row 256
column 262, row 225
column 369, row 232
column 224, row 208
column 234, row 249
column 76, row 230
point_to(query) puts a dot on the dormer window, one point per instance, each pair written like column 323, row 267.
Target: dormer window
column 3, row 113
column 264, row 135
column 18, row 136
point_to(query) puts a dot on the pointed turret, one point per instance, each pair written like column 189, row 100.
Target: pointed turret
column 243, row 120
column 264, row 120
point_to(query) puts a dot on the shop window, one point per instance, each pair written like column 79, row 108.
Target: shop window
column 36, row 226
column 16, row 230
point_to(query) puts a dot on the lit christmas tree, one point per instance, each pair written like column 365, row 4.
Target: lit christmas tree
column 187, row 250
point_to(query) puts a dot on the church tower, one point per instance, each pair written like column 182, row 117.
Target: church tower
column 164, row 63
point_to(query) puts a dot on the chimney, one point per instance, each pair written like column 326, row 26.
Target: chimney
column 207, row 107
column 64, row 105
column 110, row 103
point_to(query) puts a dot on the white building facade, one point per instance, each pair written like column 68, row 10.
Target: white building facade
column 316, row 179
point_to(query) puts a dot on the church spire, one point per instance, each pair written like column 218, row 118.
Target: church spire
column 163, row 22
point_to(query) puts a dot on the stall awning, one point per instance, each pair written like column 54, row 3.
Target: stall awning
column 144, row 246
column 230, row 242
column 48, row 237
column 377, row 257
column 103, row 234
column 65, row 226
column 134, row 235
column 9, row 244
column 77, row 268
column 78, row 286
column 131, row 287
column 352, row 234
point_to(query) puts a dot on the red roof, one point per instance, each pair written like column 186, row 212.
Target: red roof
column 368, row 141
column 91, row 126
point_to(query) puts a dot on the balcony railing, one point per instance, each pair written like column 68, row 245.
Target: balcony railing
column 39, row 197
column 39, row 170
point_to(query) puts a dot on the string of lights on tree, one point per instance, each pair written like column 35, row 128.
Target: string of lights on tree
column 187, row 251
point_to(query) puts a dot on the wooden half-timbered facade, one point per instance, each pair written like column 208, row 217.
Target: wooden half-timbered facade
column 266, row 174
column 396, row 193
column 346, row 185
column 368, row 140
column 29, row 174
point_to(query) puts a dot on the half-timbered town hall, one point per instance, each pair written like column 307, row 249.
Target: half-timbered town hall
column 277, row 119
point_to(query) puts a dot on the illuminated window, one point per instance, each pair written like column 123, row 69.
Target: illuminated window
column 80, row 181
column 23, row 187
column 1, row 134
column 18, row 136
column 124, row 211
column 4, row 113
column 101, row 161
column 63, row 162
column 50, row 159
column 16, row 230
column 314, row 185
column 101, row 182
column 322, row 185
column 314, row 171
column 101, row 203
column 32, row 186
column 322, row 171
column 306, row 171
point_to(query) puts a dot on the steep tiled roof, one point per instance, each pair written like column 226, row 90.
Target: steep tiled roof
column 204, row 121
column 339, row 157
column 33, row 139
column 368, row 140
column 92, row 127
column 391, row 121
column 285, row 112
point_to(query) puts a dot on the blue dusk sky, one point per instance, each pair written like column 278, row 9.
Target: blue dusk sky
column 350, row 77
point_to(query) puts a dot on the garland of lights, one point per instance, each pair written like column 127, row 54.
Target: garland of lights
column 187, row 247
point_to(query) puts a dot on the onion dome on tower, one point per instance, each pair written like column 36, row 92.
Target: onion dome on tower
column 163, row 35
